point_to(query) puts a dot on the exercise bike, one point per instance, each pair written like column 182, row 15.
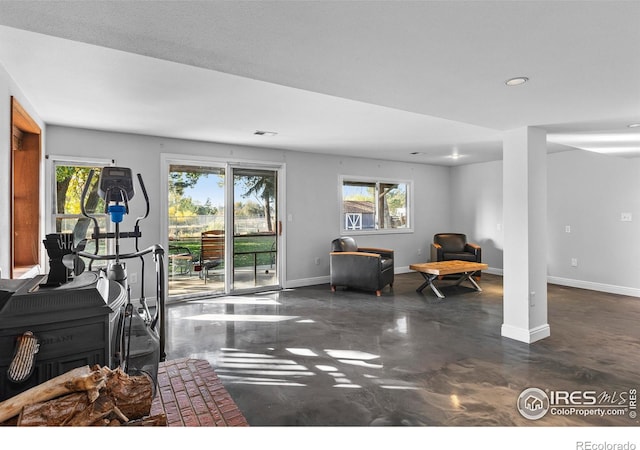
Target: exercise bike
column 140, row 339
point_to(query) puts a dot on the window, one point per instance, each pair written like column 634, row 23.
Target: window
column 374, row 205
column 70, row 178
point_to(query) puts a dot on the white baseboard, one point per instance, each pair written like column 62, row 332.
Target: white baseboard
column 494, row 271
column 590, row 285
column 609, row 288
column 581, row 284
column 302, row 282
column 528, row 336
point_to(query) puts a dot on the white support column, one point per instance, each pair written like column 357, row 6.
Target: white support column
column 525, row 235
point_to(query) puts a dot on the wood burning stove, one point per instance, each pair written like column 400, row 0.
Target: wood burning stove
column 75, row 325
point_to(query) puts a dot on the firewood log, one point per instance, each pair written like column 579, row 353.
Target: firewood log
column 159, row 420
column 96, row 414
column 80, row 379
column 133, row 395
column 54, row 412
column 108, row 397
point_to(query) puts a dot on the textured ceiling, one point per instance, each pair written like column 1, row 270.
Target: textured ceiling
column 380, row 79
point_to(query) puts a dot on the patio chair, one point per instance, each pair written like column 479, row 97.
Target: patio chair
column 211, row 251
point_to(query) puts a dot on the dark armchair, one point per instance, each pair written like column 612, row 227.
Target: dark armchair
column 454, row 246
column 363, row 268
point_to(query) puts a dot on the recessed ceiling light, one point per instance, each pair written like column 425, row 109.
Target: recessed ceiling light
column 634, row 125
column 516, row 81
column 265, row 133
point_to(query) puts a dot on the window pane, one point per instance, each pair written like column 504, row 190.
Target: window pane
column 196, row 202
column 358, row 205
column 393, row 207
column 70, row 182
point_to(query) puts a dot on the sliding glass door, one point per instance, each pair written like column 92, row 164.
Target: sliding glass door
column 222, row 229
column 255, row 221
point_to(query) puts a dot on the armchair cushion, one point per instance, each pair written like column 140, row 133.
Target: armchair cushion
column 451, row 243
column 361, row 268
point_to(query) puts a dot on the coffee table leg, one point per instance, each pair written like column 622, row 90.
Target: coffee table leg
column 429, row 282
column 469, row 276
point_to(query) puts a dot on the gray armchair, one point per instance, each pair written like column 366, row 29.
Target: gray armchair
column 363, row 268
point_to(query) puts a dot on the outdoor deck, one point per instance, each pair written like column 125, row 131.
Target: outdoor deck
column 255, row 258
column 244, row 278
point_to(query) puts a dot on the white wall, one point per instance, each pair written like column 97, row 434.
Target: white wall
column 586, row 191
column 9, row 88
column 312, row 193
column 476, row 191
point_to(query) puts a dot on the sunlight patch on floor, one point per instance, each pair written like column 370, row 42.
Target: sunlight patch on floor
column 232, row 300
column 241, row 317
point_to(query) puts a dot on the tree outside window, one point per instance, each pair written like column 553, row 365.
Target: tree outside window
column 70, row 181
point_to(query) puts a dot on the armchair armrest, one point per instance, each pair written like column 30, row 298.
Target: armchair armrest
column 436, row 252
column 351, row 265
column 473, row 248
column 384, row 252
column 359, row 254
column 476, row 250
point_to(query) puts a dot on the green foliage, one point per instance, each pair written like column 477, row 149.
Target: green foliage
column 248, row 209
column 181, row 206
column 263, row 188
column 396, row 198
column 179, row 181
column 70, row 182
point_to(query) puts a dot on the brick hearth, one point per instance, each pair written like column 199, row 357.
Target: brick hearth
column 191, row 395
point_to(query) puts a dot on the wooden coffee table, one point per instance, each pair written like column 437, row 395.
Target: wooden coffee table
column 431, row 271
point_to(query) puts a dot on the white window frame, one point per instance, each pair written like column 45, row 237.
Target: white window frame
column 342, row 179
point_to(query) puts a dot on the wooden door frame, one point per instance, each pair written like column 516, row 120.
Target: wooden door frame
column 26, row 157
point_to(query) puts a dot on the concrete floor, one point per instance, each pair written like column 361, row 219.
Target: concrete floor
column 309, row 357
